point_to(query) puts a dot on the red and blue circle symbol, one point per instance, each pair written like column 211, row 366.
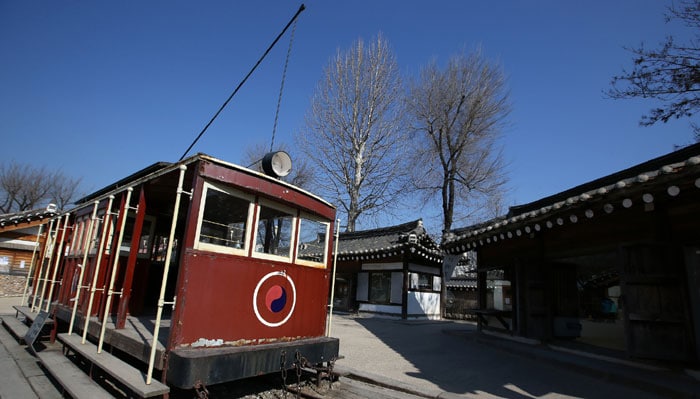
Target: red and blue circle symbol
column 274, row 299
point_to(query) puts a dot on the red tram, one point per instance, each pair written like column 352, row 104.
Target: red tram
column 228, row 268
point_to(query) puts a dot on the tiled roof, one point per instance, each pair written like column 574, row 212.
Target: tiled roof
column 28, row 216
column 642, row 183
column 388, row 241
column 462, row 283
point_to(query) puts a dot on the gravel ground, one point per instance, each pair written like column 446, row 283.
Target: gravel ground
column 264, row 387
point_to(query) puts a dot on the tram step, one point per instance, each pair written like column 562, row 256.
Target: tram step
column 16, row 327
column 123, row 372
column 73, row 380
column 29, row 315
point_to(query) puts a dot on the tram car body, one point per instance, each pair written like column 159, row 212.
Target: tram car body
column 228, row 267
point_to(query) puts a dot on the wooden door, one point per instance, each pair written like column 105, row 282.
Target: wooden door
column 654, row 302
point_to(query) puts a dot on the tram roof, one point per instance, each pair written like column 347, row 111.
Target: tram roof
column 160, row 168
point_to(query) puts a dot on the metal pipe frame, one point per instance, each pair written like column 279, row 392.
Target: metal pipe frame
column 39, row 295
column 82, row 266
column 168, row 255
column 124, row 213
column 31, row 265
column 335, row 261
column 96, row 273
column 59, row 256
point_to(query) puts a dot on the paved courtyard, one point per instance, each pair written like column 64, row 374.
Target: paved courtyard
column 449, row 359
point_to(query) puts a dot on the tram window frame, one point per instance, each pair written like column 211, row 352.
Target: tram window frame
column 76, row 244
column 238, row 195
column 324, row 251
column 97, row 227
column 291, row 212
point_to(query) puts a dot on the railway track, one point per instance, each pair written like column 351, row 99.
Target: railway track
column 263, row 387
column 349, row 388
column 271, row 387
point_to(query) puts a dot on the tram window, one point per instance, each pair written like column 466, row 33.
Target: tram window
column 224, row 220
column 146, row 239
column 313, row 242
column 160, row 249
column 75, row 248
column 96, row 232
column 275, row 230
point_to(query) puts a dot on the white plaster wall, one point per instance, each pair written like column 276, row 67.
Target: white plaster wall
column 424, row 304
column 388, row 309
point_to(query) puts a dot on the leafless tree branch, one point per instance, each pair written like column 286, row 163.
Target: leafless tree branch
column 353, row 133
column 457, row 115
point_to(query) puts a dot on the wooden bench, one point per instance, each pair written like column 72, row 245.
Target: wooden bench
column 482, row 314
column 73, row 380
column 16, row 327
column 131, row 377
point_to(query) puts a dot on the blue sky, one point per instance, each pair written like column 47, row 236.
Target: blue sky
column 102, row 89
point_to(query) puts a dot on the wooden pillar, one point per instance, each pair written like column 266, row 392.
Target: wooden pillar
column 481, row 290
column 404, row 294
column 131, row 262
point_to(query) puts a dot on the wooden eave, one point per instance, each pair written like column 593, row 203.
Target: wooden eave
column 25, row 220
column 646, row 183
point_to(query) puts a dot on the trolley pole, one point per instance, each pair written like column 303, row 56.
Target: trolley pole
column 335, row 261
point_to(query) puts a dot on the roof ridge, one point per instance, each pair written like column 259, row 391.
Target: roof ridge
column 679, row 155
column 399, row 228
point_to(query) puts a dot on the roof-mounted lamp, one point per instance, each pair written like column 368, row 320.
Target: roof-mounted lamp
column 277, row 164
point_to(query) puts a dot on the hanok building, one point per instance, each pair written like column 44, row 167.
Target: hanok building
column 391, row 271
column 612, row 263
column 22, row 234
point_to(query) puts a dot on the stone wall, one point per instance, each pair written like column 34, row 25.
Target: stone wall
column 11, row 285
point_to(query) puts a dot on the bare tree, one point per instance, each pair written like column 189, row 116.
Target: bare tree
column 25, row 187
column 353, row 131
column 670, row 74
column 458, row 114
column 62, row 189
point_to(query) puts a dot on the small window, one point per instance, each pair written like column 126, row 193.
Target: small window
column 275, row 230
column 424, row 282
column 224, row 220
column 380, row 287
column 421, row 281
column 312, row 246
